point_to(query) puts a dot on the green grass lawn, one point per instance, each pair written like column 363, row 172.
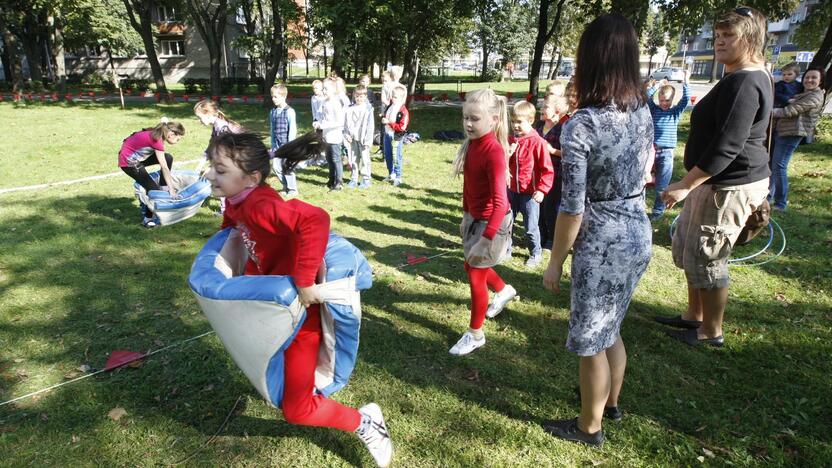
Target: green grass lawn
column 80, row 278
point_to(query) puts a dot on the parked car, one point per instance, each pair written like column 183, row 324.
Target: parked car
column 669, row 74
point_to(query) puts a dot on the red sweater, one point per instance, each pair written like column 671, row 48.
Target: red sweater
column 282, row 238
column 484, row 188
column 530, row 165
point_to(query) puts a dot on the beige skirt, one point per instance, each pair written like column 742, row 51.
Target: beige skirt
column 471, row 230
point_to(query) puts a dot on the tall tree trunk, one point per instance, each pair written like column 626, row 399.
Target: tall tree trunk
column 57, row 38
column 486, row 51
column 411, row 70
column 713, row 60
column 11, row 65
column 251, row 30
column 544, row 33
column 552, row 73
column 211, row 27
column 138, row 12
column 326, row 73
column 32, row 50
column 823, row 58
column 275, row 60
column 557, row 65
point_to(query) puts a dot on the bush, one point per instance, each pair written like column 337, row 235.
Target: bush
column 108, row 85
column 136, row 84
column 92, row 79
column 5, row 86
column 73, row 79
column 191, row 85
column 226, row 85
column 242, row 85
column 824, row 128
column 493, row 74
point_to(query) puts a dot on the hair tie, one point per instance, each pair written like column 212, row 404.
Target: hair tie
column 164, row 120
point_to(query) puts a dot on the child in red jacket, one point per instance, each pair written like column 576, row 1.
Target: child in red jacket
column 531, row 176
column 288, row 238
column 396, row 119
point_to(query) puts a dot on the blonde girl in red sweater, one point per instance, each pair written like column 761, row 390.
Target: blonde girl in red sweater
column 486, row 221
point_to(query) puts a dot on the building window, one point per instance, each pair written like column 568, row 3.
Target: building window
column 789, row 39
column 167, row 13
column 240, row 17
column 709, row 44
column 242, row 53
column 173, row 48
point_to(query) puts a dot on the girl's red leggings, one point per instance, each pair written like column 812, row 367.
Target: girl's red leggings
column 300, row 404
column 481, row 279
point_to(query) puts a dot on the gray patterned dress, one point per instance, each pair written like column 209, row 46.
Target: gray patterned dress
column 605, row 152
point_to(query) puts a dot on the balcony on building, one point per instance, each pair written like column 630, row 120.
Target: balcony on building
column 779, row 26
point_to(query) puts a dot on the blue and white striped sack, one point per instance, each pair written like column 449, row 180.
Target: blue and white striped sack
column 191, row 192
column 257, row 317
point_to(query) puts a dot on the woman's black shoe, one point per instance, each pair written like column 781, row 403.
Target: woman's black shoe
column 678, row 322
column 567, row 429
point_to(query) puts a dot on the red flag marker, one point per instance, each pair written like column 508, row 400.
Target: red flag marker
column 121, row 357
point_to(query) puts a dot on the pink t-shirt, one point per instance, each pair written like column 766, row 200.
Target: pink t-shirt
column 138, row 147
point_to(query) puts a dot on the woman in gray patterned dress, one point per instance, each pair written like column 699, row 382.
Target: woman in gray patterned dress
column 606, row 147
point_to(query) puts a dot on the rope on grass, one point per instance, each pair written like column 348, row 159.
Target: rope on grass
column 193, row 338
column 74, row 181
column 738, row 262
column 106, row 369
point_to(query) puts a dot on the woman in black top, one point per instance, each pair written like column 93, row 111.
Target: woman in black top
column 727, row 162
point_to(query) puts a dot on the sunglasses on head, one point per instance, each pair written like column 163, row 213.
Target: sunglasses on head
column 744, row 11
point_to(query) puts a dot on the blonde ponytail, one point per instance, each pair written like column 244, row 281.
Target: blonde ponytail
column 493, row 105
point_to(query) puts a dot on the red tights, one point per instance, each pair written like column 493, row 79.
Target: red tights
column 481, row 279
column 300, row 404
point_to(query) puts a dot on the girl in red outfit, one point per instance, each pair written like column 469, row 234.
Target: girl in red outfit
column 288, row 238
column 486, row 221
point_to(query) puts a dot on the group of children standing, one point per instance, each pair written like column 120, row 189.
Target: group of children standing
column 347, row 127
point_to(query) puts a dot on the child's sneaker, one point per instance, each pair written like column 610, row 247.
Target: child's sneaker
column 397, row 181
column 373, row 432
column 467, row 344
column 353, row 183
column 500, row 300
column 365, row 184
column 151, row 222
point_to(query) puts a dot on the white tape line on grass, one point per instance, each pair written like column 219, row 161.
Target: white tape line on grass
column 74, row 181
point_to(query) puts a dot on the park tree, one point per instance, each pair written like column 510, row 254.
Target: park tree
column 572, row 23
column 687, row 17
column 209, row 17
column 139, row 15
column 26, row 20
column 102, row 23
column 815, row 33
column 548, row 21
column 653, row 38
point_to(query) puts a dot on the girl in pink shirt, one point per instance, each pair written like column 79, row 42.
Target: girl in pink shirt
column 145, row 148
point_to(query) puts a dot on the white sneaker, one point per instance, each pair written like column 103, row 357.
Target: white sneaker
column 500, row 300
column 467, row 344
column 374, row 434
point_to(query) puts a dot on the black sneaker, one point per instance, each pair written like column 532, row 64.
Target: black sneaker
column 567, row 429
column 678, row 322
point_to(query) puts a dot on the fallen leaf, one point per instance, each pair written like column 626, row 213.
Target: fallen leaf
column 75, row 439
column 84, row 368
column 44, row 417
column 701, row 428
column 208, row 388
column 18, row 360
column 22, row 374
column 701, row 459
column 72, row 374
column 473, row 376
column 159, row 343
column 116, row 413
column 708, row 453
column 598, row 462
